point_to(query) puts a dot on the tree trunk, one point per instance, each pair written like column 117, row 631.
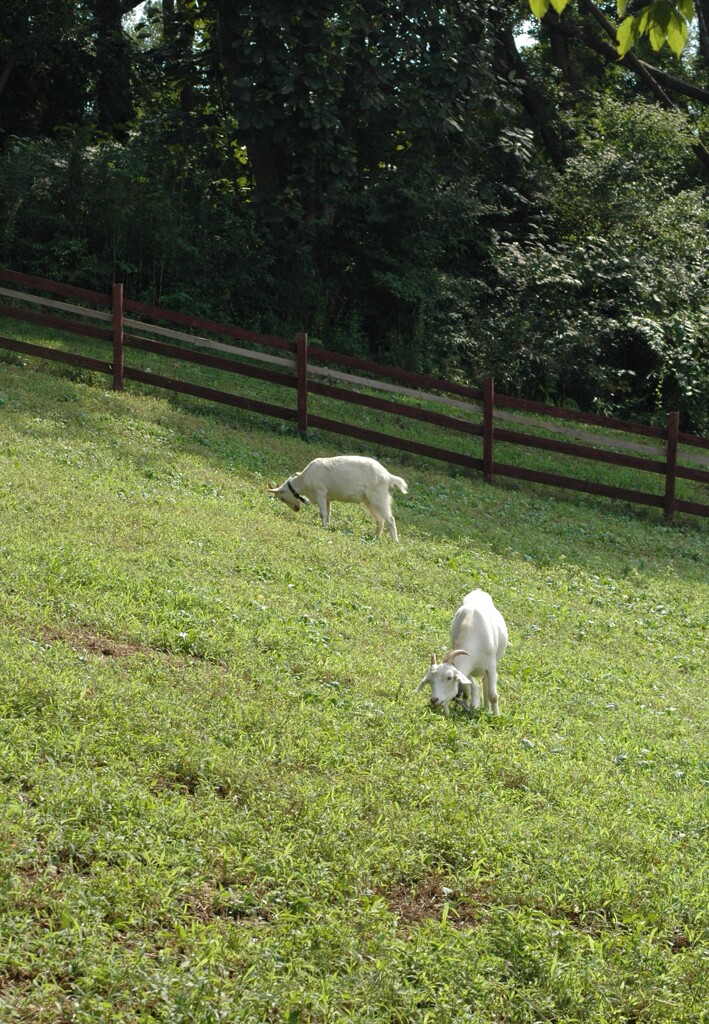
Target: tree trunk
column 16, row 31
column 532, row 98
column 114, row 98
column 265, row 162
column 702, row 9
column 7, row 71
column 560, row 49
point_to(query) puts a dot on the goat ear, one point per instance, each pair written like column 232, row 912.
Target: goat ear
column 422, row 683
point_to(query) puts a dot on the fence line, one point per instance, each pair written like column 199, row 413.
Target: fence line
column 66, row 307
column 300, row 366
column 201, row 342
column 598, row 439
column 328, row 373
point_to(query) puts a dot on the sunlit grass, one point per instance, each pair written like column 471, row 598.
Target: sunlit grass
column 221, row 799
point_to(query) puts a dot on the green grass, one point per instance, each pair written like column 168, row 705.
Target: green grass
column 221, row 799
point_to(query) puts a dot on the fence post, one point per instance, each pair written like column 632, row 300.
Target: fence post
column 671, row 463
column 117, row 310
column 301, row 341
column 488, row 429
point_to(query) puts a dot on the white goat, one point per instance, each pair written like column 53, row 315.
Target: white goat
column 344, row 478
column 478, row 641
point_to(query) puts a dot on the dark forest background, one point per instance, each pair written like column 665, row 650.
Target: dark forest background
column 445, row 187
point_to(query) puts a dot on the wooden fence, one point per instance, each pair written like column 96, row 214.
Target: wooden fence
column 310, row 370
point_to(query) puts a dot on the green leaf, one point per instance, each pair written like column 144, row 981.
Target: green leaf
column 658, row 23
column 686, row 9
column 663, row 11
column 656, row 35
column 559, row 5
column 677, row 33
column 622, row 6
column 539, row 7
column 644, row 19
column 627, row 34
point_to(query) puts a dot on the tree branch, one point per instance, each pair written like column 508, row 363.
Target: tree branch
column 642, row 71
column 532, row 99
column 575, row 30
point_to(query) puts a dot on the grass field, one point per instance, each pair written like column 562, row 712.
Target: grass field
column 221, row 799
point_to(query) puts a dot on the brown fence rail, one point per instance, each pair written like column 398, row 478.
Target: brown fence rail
column 310, row 370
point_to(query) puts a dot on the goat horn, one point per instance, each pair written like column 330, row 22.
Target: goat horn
column 448, row 660
column 433, row 660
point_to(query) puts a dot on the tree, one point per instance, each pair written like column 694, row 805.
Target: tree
column 401, row 179
column 328, row 96
column 601, row 300
column 64, row 63
column 44, row 65
column 661, row 21
column 114, row 100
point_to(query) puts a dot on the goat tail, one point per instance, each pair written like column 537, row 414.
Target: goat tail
column 398, row 481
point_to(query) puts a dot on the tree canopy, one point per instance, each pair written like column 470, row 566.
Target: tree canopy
column 451, row 188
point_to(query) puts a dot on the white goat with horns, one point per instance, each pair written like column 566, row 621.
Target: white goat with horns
column 478, row 642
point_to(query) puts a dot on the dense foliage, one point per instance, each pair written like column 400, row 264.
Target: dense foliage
column 403, row 181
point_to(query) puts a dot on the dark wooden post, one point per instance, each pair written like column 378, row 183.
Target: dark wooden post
column 117, row 309
column 671, row 463
column 488, row 429
column 301, row 341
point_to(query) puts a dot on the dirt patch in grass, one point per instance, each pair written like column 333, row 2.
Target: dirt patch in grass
column 85, row 641
column 82, row 639
column 207, row 902
column 427, row 899
column 679, row 941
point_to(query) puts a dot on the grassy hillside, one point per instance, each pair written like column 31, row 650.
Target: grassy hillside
column 221, row 799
